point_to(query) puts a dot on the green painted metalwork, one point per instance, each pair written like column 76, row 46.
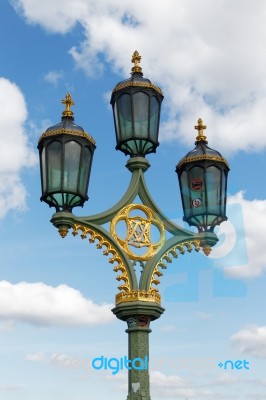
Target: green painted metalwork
column 180, row 241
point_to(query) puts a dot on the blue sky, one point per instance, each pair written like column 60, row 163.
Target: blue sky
column 56, row 295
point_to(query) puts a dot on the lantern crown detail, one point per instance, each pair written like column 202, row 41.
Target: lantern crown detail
column 68, row 103
column 200, row 128
column 136, row 58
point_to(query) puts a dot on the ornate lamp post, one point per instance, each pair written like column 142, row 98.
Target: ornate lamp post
column 137, row 232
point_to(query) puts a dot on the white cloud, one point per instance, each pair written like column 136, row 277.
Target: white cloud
column 15, row 151
column 251, row 340
column 175, row 386
column 40, row 304
column 227, row 379
column 243, row 238
column 6, row 325
column 208, row 57
column 203, row 315
column 36, row 357
column 53, row 77
column 167, row 328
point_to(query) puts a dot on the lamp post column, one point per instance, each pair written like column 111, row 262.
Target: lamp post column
column 138, row 315
column 138, row 353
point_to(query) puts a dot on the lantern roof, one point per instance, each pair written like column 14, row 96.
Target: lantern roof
column 136, row 80
column 202, row 151
column 67, row 125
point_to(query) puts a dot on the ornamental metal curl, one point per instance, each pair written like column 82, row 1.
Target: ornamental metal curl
column 109, row 249
column 168, row 256
column 138, row 233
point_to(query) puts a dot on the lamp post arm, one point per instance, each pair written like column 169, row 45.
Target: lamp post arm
column 104, row 241
column 127, row 198
column 171, row 249
column 169, row 225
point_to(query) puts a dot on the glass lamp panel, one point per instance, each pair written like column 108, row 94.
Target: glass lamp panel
column 71, row 166
column 54, row 164
column 85, row 165
column 116, row 120
column 213, row 186
column 141, row 114
column 44, row 175
column 223, row 192
column 154, row 118
column 185, row 194
column 124, row 111
column 197, row 190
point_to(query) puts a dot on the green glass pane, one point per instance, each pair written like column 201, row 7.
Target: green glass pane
column 71, row 166
column 213, row 184
column 54, row 162
column 154, row 118
column 185, row 194
column 197, row 189
column 124, row 111
column 44, row 175
column 141, row 114
column 85, row 165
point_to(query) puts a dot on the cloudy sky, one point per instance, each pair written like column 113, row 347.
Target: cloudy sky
column 56, row 295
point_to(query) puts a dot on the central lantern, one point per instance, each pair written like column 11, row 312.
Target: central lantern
column 136, row 106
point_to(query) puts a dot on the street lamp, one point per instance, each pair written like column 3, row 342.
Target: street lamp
column 136, row 233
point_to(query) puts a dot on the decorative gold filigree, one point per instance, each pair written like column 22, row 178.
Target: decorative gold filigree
column 200, row 128
column 63, row 230
column 137, row 84
column 109, row 249
column 202, row 157
column 206, row 250
column 68, row 103
column 138, row 295
column 63, row 131
column 136, row 58
column 138, row 231
column 167, row 258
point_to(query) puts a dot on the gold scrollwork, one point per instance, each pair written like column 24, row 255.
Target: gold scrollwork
column 202, row 157
column 138, row 231
column 108, row 249
column 167, row 258
column 63, row 131
column 137, row 84
column 138, row 295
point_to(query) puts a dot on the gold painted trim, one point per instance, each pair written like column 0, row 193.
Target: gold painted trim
column 137, row 84
column 200, row 128
column 138, row 231
column 136, row 58
column 202, row 157
column 109, row 249
column 72, row 132
column 167, row 258
column 68, row 102
column 138, row 295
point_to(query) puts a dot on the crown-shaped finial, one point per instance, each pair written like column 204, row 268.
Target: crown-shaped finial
column 136, row 60
column 200, row 128
column 68, row 103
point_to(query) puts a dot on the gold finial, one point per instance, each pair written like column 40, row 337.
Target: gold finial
column 136, row 60
column 68, row 103
column 63, row 230
column 200, row 128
